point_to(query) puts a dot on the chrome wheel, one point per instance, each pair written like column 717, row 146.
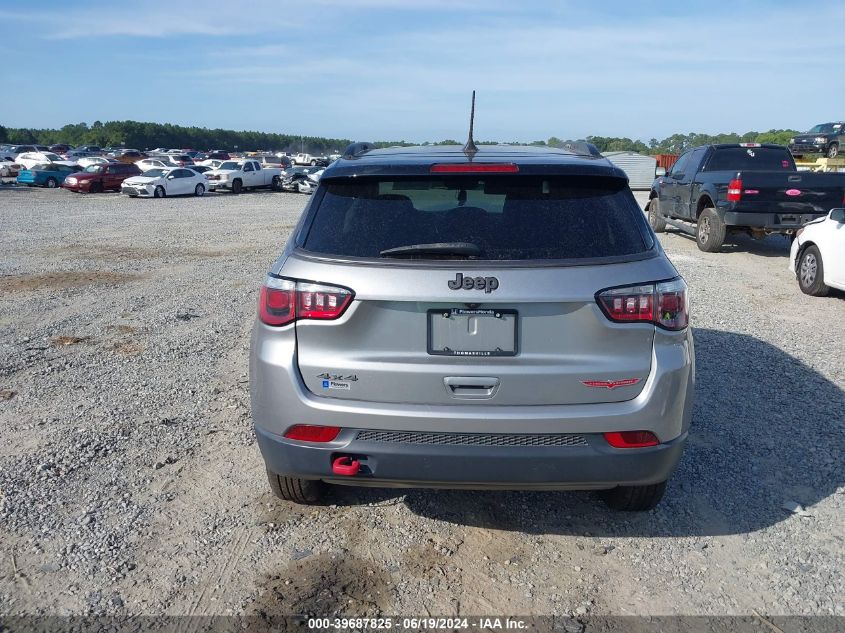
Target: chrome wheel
column 809, row 269
column 703, row 230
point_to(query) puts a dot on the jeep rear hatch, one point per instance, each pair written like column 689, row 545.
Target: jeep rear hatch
column 469, row 289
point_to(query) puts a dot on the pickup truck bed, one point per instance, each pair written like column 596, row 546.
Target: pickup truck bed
column 717, row 190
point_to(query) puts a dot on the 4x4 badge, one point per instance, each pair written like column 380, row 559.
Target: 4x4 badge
column 328, row 376
column 487, row 284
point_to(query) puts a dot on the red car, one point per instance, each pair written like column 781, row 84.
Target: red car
column 97, row 178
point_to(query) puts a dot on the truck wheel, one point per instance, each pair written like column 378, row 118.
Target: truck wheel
column 811, row 273
column 237, row 186
column 711, row 231
column 655, row 218
column 295, row 489
column 833, row 150
column 276, row 184
column 634, row 498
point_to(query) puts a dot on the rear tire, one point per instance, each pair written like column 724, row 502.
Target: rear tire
column 711, row 231
column 655, row 218
column 295, row 489
column 634, row 498
column 833, row 150
column 52, row 183
column 811, row 273
column 237, row 186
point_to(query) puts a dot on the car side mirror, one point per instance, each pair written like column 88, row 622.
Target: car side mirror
column 838, row 215
column 660, row 172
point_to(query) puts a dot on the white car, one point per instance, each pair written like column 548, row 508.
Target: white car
column 158, row 183
column 818, row 254
column 9, row 168
column 154, row 163
column 214, row 163
column 31, row 159
column 87, row 161
column 309, row 184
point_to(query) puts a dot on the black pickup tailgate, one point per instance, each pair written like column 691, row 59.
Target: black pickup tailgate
column 778, row 201
column 791, row 193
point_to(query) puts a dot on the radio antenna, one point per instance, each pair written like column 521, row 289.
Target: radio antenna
column 470, row 148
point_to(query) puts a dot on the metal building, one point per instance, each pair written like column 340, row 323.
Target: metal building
column 639, row 167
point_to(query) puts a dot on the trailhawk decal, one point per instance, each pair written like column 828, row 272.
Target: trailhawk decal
column 611, row 384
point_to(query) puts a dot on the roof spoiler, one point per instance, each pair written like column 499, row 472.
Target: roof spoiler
column 583, row 148
column 357, row 149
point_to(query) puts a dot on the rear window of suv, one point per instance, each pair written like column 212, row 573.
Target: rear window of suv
column 506, row 217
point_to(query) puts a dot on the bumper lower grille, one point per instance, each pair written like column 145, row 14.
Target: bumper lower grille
column 130, row 191
column 471, row 439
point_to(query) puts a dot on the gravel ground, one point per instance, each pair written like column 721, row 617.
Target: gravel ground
column 130, row 482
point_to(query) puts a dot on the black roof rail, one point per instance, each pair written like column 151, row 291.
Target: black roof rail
column 583, row 148
column 357, row 149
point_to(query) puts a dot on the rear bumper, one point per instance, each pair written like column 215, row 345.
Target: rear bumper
column 664, row 406
column 774, row 222
column 591, row 465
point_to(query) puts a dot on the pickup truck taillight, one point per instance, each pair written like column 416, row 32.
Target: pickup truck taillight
column 664, row 303
column 735, row 190
column 284, row 301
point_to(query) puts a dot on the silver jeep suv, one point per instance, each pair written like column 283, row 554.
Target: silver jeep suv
column 499, row 319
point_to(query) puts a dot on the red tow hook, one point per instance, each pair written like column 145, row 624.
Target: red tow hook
column 346, row 466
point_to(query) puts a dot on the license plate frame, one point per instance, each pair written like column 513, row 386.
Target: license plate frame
column 505, row 315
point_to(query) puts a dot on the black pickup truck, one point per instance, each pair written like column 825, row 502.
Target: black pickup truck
column 716, row 190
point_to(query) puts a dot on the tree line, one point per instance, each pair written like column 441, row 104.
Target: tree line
column 140, row 135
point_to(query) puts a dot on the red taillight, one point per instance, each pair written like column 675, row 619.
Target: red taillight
column 631, row 439
column 312, row 433
column 735, row 190
column 283, row 301
column 474, row 168
column 664, row 304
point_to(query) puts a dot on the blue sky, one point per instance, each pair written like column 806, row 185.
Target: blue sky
column 404, row 69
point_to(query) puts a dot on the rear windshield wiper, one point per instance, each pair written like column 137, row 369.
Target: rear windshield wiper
column 466, row 249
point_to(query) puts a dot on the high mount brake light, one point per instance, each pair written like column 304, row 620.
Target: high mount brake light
column 735, row 190
column 284, row 301
column 474, row 168
column 665, row 304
